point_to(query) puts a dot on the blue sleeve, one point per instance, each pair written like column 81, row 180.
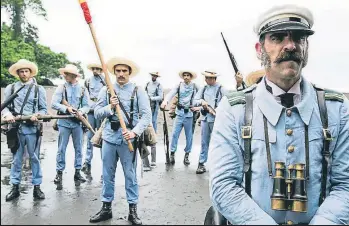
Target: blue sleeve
column 7, row 93
column 57, row 100
column 171, row 94
column 42, row 101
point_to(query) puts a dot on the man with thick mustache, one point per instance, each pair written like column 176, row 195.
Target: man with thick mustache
column 280, row 125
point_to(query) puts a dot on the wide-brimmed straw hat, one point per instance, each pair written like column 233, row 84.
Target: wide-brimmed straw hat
column 187, row 71
column 210, row 73
column 254, row 76
column 21, row 64
column 120, row 60
column 70, row 68
column 94, row 65
column 155, row 73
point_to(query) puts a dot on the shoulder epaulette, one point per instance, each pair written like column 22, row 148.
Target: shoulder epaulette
column 238, row 97
column 331, row 94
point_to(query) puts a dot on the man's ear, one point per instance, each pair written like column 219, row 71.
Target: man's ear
column 258, row 47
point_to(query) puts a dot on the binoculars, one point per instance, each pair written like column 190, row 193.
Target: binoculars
column 289, row 193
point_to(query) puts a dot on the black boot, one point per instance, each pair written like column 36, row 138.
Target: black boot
column 132, row 216
column 186, row 159
column 13, row 194
column 86, row 168
column 104, row 214
column 172, row 158
column 37, row 193
column 58, row 179
column 78, row 177
column 201, row 169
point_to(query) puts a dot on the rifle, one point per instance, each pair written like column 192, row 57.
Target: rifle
column 39, row 117
column 11, row 98
column 233, row 62
column 166, row 141
column 79, row 117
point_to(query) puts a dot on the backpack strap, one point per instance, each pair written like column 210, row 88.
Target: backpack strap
column 157, row 89
column 179, row 87
column 87, row 84
column 36, row 98
column 132, row 103
column 217, row 95
column 11, row 106
column 203, row 93
column 322, row 96
column 82, row 95
column 245, row 97
column 247, row 136
column 146, row 87
column 193, row 93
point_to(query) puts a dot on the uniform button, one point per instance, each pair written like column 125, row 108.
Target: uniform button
column 289, row 112
column 289, row 222
column 290, row 149
column 289, row 132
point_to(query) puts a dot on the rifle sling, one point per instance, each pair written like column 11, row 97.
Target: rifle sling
column 26, row 98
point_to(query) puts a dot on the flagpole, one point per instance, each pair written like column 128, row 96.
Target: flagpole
column 88, row 19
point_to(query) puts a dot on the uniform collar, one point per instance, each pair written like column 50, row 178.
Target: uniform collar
column 278, row 91
column 272, row 110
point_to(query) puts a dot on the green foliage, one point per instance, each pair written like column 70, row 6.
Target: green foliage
column 19, row 22
column 13, row 49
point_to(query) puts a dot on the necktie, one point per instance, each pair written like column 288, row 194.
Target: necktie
column 287, row 99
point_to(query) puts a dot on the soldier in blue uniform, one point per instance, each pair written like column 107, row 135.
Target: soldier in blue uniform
column 137, row 116
column 93, row 84
column 186, row 91
column 155, row 94
column 208, row 97
column 281, row 124
column 31, row 100
column 77, row 98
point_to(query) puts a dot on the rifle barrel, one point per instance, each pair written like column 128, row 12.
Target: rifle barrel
column 231, row 56
column 40, row 117
column 11, row 98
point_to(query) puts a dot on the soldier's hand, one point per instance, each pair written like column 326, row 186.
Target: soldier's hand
column 204, row 104
column 128, row 134
column 10, row 118
column 163, row 105
column 71, row 110
column 114, row 101
column 195, row 108
column 239, row 79
column 34, row 118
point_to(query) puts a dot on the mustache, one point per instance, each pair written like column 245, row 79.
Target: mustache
column 287, row 56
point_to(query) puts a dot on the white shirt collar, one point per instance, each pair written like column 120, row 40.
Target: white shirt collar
column 296, row 88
